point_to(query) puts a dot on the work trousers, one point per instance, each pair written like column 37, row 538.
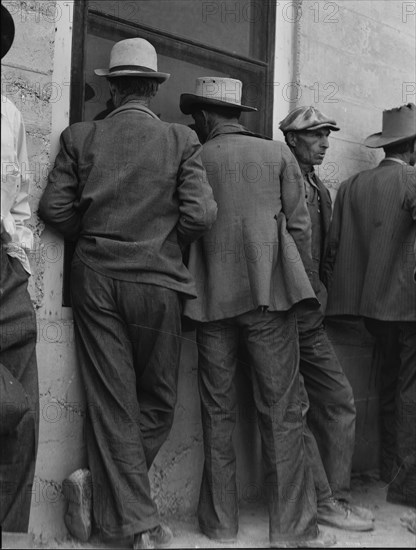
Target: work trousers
column 395, row 359
column 19, row 396
column 331, row 415
column 271, row 342
column 128, row 345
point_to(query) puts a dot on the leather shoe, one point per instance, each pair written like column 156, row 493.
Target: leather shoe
column 77, row 489
column 337, row 513
column 158, row 537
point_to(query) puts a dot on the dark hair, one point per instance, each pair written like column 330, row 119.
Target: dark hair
column 135, row 85
column 225, row 112
column 399, row 148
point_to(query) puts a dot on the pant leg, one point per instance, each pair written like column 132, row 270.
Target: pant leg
column 386, row 356
column 217, row 359
column 154, row 326
column 18, row 445
column 272, row 345
column 322, row 487
column 402, row 488
column 122, row 504
column 332, row 413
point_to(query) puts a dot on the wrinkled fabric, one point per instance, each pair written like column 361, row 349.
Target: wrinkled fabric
column 396, row 365
column 19, row 396
column 128, row 346
column 272, row 356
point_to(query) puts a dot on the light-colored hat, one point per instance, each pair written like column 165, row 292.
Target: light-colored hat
column 399, row 124
column 133, row 57
column 214, row 90
column 306, row 118
column 7, row 30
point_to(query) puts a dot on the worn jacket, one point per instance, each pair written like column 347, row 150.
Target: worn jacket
column 252, row 256
column 370, row 262
column 132, row 191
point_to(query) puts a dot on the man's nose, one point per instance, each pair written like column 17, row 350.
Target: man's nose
column 324, row 142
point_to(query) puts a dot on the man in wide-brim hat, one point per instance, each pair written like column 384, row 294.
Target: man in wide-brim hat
column 18, row 364
column 248, row 284
column 370, row 266
column 132, row 191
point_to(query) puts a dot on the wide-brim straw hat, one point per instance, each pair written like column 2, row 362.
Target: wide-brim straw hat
column 306, row 119
column 214, row 91
column 399, row 125
column 133, row 57
column 7, row 30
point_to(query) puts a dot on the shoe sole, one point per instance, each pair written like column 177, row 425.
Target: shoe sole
column 358, row 529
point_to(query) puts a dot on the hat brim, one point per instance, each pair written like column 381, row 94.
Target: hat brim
column 161, row 77
column 7, row 30
column 378, row 140
column 189, row 102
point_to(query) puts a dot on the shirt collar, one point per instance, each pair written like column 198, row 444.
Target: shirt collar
column 393, row 159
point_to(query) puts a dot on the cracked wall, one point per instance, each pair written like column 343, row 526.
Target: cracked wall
column 322, row 52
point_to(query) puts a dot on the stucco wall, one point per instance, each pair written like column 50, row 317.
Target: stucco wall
column 358, row 53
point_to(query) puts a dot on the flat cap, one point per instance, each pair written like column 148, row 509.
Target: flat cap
column 306, row 118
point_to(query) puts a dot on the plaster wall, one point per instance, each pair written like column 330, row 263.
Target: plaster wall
column 36, row 75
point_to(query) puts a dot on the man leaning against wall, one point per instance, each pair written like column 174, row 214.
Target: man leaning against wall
column 132, row 191
column 18, row 366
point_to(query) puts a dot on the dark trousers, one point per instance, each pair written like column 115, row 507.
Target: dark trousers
column 331, row 414
column 19, row 396
column 396, row 362
column 128, row 345
column 271, row 343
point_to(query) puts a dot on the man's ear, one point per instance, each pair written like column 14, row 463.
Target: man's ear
column 291, row 139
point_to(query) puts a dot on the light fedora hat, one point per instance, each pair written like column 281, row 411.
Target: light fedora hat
column 399, row 124
column 133, row 57
column 7, row 30
column 214, row 90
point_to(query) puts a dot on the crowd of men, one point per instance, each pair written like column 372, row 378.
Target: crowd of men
column 154, row 215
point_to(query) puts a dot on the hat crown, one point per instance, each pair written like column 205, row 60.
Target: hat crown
column 399, row 121
column 306, row 118
column 228, row 90
column 133, row 52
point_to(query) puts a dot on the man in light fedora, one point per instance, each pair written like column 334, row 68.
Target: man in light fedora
column 19, row 391
column 369, row 267
column 132, row 191
column 329, row 404
column 251, row 272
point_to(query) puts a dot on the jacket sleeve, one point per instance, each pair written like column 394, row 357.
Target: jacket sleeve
column 58, row 205
column 409, row 203
column 198, row 209
column 296, row 211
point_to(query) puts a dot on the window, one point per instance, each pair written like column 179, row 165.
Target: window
column 192, row 38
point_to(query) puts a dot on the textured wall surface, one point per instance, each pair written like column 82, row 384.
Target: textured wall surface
column 351, row 58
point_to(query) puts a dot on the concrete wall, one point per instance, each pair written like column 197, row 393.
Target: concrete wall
column 358, row 54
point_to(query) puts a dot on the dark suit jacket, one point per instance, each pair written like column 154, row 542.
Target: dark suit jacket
column 132, row 190
column 370, row 261
column 254, row 254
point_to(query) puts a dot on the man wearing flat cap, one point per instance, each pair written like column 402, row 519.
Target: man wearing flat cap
column 132, row 191
column 370, row 269
column 18, row 366
column 331, row 412
column 251, row 272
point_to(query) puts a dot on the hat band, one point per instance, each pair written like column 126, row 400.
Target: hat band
column 131, row 68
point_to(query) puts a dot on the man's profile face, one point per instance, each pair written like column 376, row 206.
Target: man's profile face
column 309, row 147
